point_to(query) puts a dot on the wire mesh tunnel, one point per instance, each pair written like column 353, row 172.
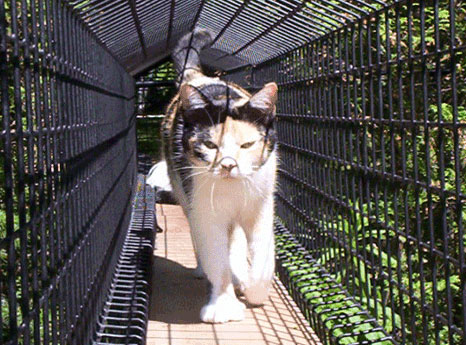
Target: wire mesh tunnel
column 371, row 122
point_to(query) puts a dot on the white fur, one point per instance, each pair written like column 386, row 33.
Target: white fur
column 239, row 258
column 222, row 308
column 230, row 217
column 158, row 177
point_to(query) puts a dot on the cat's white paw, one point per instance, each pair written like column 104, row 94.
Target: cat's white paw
column 258, row 293
column 225, row 308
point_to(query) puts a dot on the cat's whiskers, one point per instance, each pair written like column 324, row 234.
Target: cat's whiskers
column 212, row 197
column 210, row 117
column 249, row 183
column 191, row 167
column 213, row 165
column 245, row 185
column 196, row 173
column 278, row 187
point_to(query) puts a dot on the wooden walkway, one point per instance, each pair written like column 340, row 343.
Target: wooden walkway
column 177, row 297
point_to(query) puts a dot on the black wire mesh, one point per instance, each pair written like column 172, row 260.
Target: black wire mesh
column 68, row 169
column 150, row 29
column 126, row 311
column 371, row 125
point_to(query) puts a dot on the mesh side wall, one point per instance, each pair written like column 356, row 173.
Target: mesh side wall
column 68, row 169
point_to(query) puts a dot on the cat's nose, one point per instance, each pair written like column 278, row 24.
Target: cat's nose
column 228, row 164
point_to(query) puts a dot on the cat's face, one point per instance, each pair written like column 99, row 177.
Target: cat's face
column 228, row 136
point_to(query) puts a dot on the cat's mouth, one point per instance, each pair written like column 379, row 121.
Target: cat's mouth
column 226, row 174
column 234, row 173
column 227, row 168
column 229, row 174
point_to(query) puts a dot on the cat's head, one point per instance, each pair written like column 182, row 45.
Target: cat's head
column 226, row 130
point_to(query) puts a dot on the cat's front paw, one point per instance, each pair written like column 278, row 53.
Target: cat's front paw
column 225, row 308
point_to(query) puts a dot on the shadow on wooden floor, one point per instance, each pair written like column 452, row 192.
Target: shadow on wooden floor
column 176, row 293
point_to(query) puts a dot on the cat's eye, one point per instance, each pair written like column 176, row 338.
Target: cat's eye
column 248, row 144
column 210, row 145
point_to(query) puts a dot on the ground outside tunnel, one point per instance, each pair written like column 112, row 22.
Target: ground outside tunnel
column 177, row 298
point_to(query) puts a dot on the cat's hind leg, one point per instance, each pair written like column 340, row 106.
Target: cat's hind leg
column 213, row 248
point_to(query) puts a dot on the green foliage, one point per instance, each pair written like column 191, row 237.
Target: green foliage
column 157, row 98
column 148, row 134
column 153, row 102
column 324, row 295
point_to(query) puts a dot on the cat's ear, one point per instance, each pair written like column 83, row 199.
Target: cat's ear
column 261, row 106
column 265, row 99
column 194, row 106
column 191, row 98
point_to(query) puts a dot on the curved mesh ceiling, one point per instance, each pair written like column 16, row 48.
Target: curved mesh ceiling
column 139, row 33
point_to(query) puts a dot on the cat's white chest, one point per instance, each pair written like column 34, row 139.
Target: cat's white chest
column 225, row 198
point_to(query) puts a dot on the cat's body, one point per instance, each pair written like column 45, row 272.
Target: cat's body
column 219, row 145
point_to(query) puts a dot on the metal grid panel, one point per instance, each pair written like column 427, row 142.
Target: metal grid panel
column 261, row 30
column 252, row 22
column 371, row 127
column 158, row 14
column 68, row 166
column 229, row 9
column 141, row 32
column 304, row 275
column 184, row 15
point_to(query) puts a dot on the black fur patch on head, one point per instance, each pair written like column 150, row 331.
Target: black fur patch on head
column 261, row 106
column 212, row 103
column 179, row 157
column 218, row 102
column 259, row 117
column 194, row 134
column 270, row 139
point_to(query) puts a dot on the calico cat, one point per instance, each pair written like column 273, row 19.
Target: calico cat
column 220, row 149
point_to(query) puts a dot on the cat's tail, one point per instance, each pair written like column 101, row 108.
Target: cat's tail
column 186, row 54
